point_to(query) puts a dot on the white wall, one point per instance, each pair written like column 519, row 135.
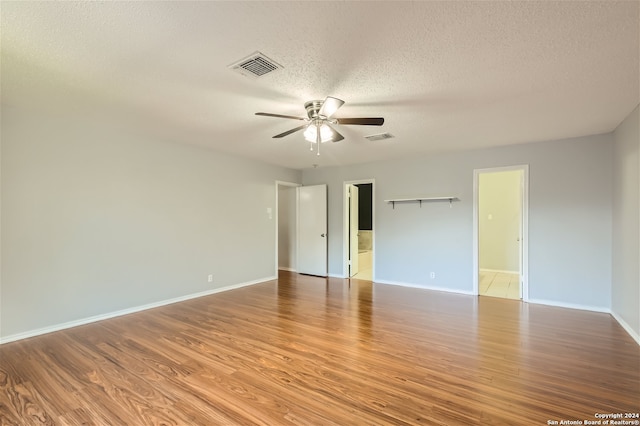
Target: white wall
column 286, row 228
column 499, row 209
column 98, row 217
column 625, row 290
column 569, row 220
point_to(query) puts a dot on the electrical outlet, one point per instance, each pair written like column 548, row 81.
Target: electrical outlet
column 432, row 275
column 210, row 278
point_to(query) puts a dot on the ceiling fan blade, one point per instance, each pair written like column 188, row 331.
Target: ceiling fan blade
column 366, row 121
column 288, row 132
column 267, row 114
column 330, row 106
column 335, row 136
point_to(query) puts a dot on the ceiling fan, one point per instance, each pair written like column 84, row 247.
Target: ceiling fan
column 319, row 120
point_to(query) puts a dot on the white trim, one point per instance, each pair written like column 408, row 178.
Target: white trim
column 525, row 226
column 282, row 268
column 635, row 336
column 499, row 271
column 345, row 225
column 108, row 315
column 570, row 305
column 425, row 287
column 336, row 276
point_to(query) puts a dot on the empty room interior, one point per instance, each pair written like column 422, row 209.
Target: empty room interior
column 320, row 213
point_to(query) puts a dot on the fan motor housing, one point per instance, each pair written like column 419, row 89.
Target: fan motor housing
column 313, row 109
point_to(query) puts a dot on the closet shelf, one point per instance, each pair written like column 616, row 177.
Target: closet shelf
column 393, row 201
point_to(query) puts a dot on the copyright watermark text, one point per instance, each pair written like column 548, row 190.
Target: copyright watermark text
column 601, row 419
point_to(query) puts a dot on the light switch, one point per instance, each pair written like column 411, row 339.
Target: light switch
column 269, row 212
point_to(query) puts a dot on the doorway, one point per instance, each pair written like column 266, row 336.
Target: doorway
column 359, row 235
column 286, row 229
column 301, row 228
column 500, row 232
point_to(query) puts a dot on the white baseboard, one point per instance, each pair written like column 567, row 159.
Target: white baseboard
column 336, row 276
column 499, row 271
column 615, row 316
column 283, row 268
column 425, row 287
column 635, row 336
column 88, row 320
column 570, row 305
column 95, row 318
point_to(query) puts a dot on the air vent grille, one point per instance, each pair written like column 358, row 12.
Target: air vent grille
column 379, row 136
column 255, row 65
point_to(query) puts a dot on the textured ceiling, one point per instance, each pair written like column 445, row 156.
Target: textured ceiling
column 445, row 75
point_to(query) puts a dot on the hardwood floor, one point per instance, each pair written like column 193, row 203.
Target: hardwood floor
column 311, row 351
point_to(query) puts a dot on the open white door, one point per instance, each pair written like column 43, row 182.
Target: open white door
column 312, row 230
column 521, row 236
column 353, row 230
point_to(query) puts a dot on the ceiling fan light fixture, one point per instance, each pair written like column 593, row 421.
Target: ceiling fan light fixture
column 319, row 119
column 311, row 133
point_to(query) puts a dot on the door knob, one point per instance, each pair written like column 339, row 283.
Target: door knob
column 322, row 235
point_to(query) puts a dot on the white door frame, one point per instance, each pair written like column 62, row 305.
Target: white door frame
column 345, row 227
column 278, row 184
column 524, row 243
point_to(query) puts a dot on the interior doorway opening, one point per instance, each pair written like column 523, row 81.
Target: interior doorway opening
column 359, row 241
column 286, row 227
column 500, row 232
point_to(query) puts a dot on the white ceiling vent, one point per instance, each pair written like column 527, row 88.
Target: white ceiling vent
column 379, row 136
column 255, row 65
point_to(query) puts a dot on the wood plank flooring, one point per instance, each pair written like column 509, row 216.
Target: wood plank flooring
column 311, row 351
